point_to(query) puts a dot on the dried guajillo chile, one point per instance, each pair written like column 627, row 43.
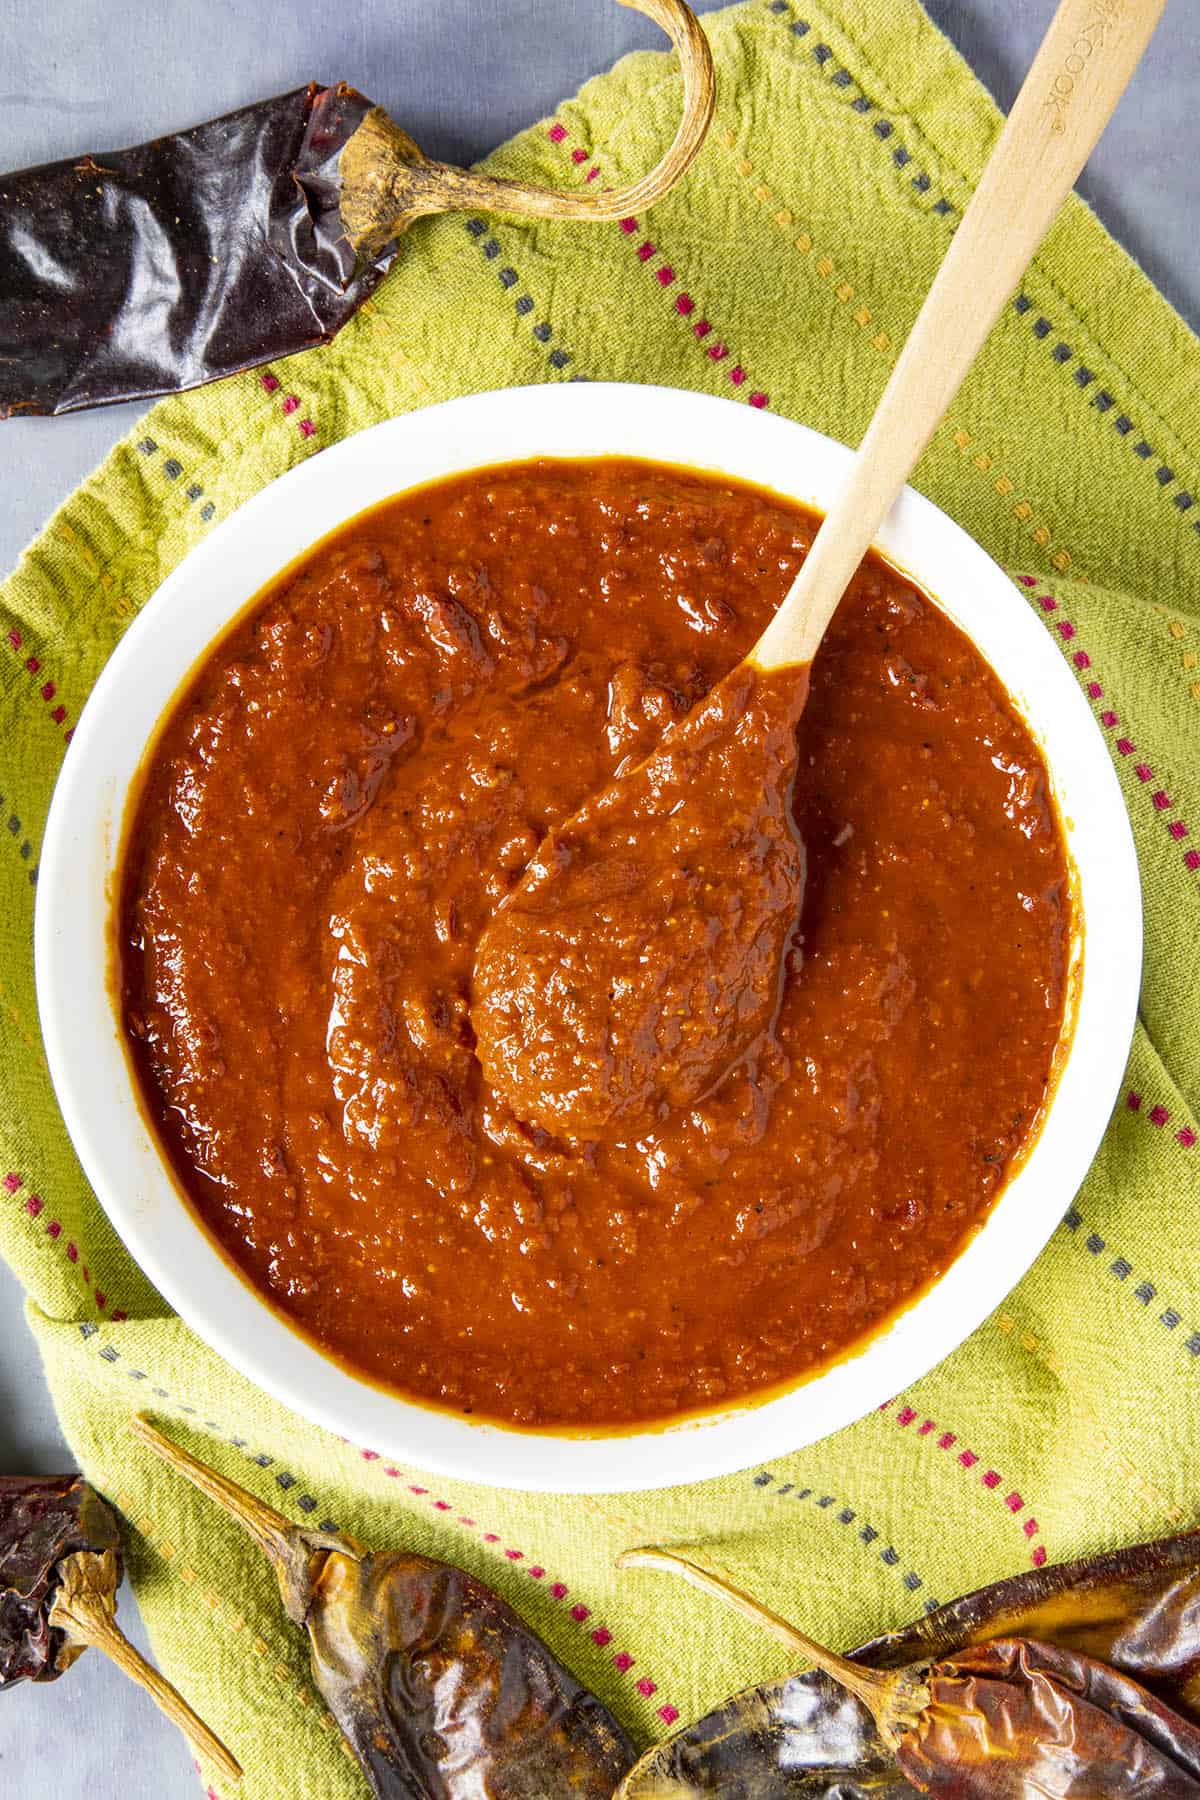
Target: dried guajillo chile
column 439, row 1688
column 132, row 273
column 1104, row 1651
column 60, row 1568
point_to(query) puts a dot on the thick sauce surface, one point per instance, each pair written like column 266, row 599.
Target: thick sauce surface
column 362, row 771
column 642, row 953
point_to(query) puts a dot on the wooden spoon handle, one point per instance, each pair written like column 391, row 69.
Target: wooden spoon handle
column 1077, row 77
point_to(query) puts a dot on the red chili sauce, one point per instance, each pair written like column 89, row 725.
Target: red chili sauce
column 359, row 773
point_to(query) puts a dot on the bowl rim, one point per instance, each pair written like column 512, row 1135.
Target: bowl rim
column 193, row 605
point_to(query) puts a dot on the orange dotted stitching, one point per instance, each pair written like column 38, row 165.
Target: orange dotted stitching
column 220, row 1607
column 30, row 1043
column 122, row 604
column 1083, row 1410
column 383, row 326
column 984, row 464
column 884, row 343
column 1189, row 660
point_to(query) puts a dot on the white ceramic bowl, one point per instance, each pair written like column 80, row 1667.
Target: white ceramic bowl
column 92, row 1077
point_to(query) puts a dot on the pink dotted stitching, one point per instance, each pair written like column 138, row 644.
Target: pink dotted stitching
column 600, row 1635
column 210, row 1793
column 35, row 1206
column 1176, row 829
column 288, row 405
column 664, row 274
column 1159, row 1115
column 991, row 1479
column 47, row 690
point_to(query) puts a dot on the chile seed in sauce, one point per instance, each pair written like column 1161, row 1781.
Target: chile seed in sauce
column 358, row 775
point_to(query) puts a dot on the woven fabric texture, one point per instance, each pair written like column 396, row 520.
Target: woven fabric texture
column 784, row 271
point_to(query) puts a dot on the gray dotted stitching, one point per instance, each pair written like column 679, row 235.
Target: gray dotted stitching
column 1104, row 402
column 172, row 468
column 24, row 847
column 1120, row 1268
column 842, row 77
column 286, row 1480
column 524, row 304
column 866, row 1534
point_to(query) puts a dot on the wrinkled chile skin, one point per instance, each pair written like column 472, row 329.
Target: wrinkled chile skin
column 42, row 1519
column 804, row 1738
column 131, row 273
column 445, row 1694
column 1014, row 1718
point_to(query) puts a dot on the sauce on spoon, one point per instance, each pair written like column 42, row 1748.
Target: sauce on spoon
column 640, row 957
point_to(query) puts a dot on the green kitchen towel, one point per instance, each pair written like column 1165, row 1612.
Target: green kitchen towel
column 783, row 271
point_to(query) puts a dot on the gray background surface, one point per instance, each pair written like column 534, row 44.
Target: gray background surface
column 460, row 75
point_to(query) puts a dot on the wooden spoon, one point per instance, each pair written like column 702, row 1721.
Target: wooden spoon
column 640, row 957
